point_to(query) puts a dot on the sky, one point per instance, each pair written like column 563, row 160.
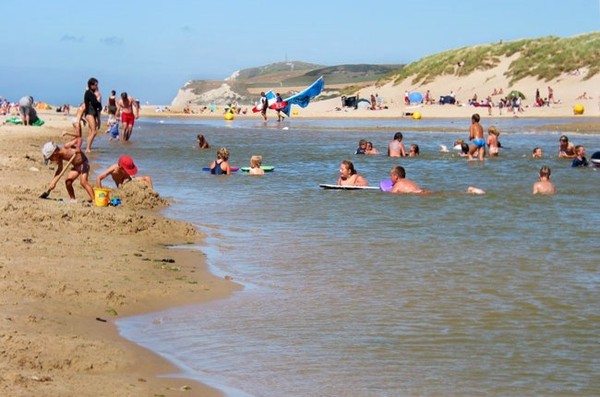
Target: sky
column 150, row 49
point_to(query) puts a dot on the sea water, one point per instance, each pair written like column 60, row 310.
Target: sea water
column 363, row 293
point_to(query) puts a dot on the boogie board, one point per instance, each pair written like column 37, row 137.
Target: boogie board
column 233, row 169
column 340, row 187
column 266, row 168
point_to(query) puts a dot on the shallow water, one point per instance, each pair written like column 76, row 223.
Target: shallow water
column 362, row 293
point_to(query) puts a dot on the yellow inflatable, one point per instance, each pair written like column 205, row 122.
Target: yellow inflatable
column 578, row 109
column 416, row 116
column 228, row 116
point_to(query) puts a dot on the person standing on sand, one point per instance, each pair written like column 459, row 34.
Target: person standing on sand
column 125, row 109
column 544, row 186
column 550, row 95
column 476, row 135
column 27, row 110
column 93, row 107
column 264, row 105
column 80, row 167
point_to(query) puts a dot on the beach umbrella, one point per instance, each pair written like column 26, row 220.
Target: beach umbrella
column 415, row 97
column 515, row 93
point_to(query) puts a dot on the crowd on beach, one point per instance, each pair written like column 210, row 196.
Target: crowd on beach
column 125, row 109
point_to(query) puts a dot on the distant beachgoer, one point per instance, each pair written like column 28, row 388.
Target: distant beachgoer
column 402, row 185
column 80, row 166
column 27, row 110
column 125, row 108
column 221, row 165
column 370, row 149
column 476, row 135
column 406, row 98
column 550, row 95
column 112, row 104
column 202, row 142
column 255, row 166
column 264, row 104
column 362, row 147
column 396, row 148
column 279, row 100
column 93, row 107
column 537, row 153
column 462, row 146
column 566, row 149
column 122, row 172
column 373, row 102
column 492, row 141
column 113, row 130
column 544, row 186
column 580, row 160
column 413, row 151
column 349, row 176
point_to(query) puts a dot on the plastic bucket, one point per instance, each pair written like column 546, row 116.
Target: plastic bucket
column 101, row 196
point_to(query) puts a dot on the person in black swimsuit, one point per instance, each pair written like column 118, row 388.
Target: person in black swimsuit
column 221, row 165
column 93, row 107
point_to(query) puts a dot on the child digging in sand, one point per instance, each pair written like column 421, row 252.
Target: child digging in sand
column 80, row 166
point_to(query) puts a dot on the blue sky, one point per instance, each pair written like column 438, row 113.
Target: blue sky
column 150, row 49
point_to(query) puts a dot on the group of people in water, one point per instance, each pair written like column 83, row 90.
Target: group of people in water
column 221, row 165
column 476, row 150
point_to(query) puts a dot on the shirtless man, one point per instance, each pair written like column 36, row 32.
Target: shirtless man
column 80, row 166
column 544, row 186
column 122, row 172
column 566, row 149
column 125, row 109
column 396, row 148
column 476, row 135
column 403, row 185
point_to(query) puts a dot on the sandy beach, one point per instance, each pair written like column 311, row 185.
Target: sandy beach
column 68, row 270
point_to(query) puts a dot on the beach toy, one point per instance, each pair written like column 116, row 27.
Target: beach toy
column 265, row 168
column 416, row 116
column 578, row 109
column 386, row 185
column 595, row 159
column 228, row 116
column 101, row 196
column 295, row 112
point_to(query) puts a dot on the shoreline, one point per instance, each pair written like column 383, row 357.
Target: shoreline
column 69, row 270
column 65, row 265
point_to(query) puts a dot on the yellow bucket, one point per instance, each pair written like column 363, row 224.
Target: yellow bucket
column 101, row 196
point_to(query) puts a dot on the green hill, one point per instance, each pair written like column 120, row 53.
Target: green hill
column 545, row 58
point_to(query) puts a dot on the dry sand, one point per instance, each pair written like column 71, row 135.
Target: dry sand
column 68, row 270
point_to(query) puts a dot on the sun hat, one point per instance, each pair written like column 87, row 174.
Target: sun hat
column 48, row 150
column 128, row 165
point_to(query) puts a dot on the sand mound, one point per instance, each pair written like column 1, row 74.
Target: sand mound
column 137, row 195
